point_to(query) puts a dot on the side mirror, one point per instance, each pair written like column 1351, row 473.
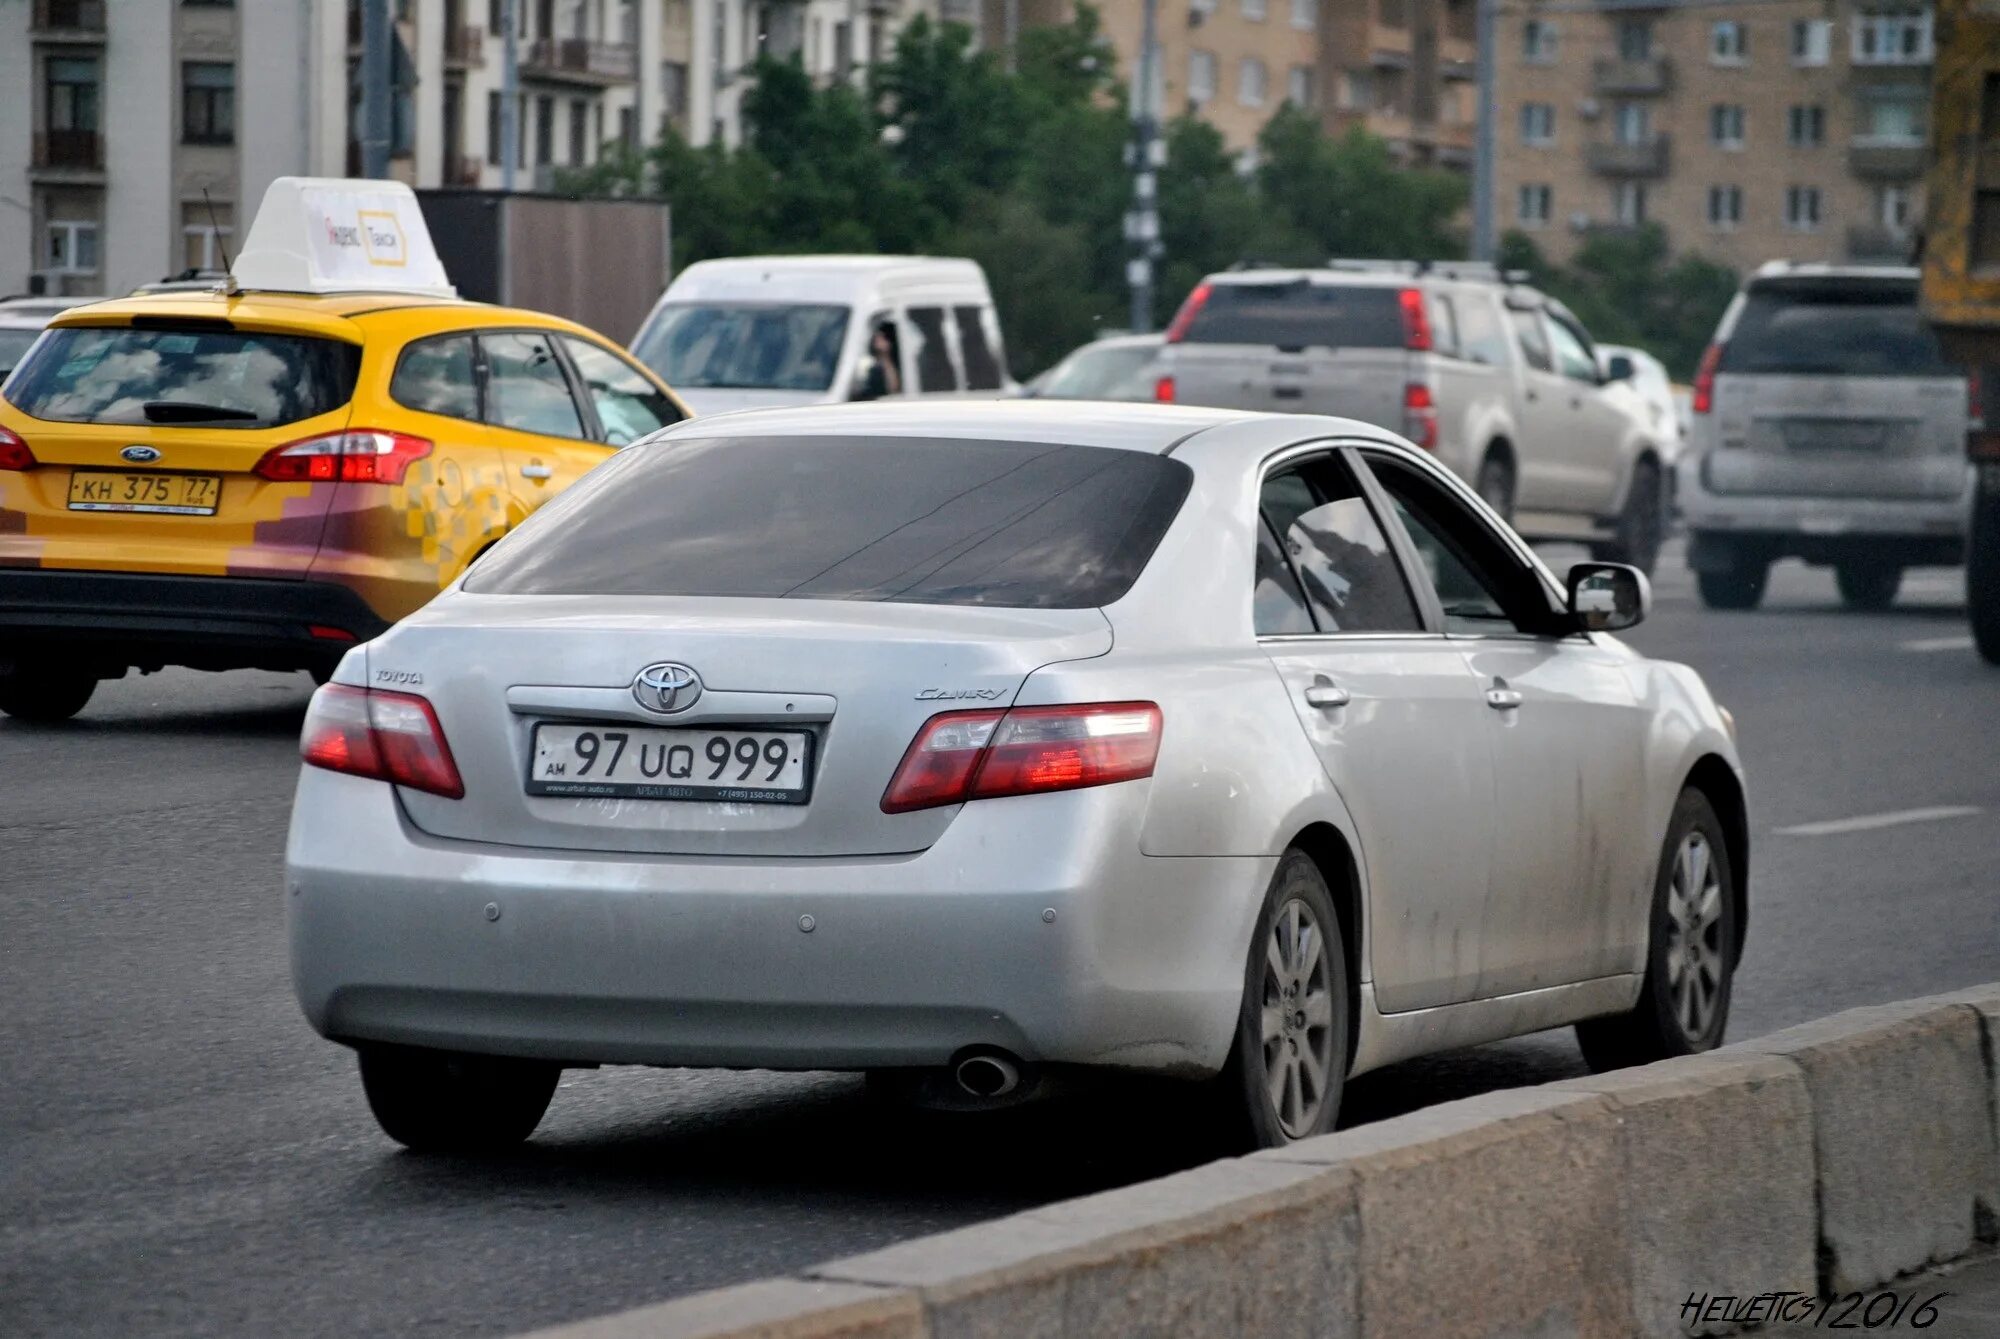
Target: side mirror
column 1619, row 368
column 1608, row 597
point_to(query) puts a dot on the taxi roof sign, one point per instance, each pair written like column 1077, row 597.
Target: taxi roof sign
column 340, row 235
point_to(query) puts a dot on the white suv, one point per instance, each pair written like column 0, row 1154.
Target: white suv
column 1500, row 382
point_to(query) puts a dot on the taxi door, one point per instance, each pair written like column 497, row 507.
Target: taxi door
column 545, row 428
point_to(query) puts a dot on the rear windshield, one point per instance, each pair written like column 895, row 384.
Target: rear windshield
column 1298, row 314
column 779, row 346
column 1862, row 329
column 1010, row 524
column 214, row 378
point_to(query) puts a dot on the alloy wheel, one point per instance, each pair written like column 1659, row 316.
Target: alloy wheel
column 1297, row 1018
column 1695, row 964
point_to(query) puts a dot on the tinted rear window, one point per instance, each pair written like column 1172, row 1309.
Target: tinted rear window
column 105, row 374
column 1011, row 524
column 1847, row 329
column 1297, row 315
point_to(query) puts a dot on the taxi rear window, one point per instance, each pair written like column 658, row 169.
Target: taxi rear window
column 200, row 375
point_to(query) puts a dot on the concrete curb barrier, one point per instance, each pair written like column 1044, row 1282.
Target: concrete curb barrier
column 1828, row 1157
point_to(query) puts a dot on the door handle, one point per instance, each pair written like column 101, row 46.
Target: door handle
column 537, row 471
column 1287, row 393
column 1503, row 699
column 1327, row 696
column 1533, row 395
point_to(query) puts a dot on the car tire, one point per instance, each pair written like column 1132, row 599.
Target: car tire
column 44, row 696
column 1691, row 951
column 1640, row 526
column 1495, row 485
column 1867, row 586
column 446, row 1102
column 1292, row 1029
column 1741, row 586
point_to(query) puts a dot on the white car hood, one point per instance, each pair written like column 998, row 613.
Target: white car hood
column 724, row 401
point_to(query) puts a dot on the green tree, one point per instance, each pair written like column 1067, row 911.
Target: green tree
column 1348, row 197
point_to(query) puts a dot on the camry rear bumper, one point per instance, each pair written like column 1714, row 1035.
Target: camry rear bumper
column 1071, row 947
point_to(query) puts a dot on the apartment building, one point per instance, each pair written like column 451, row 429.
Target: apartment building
column 1748, row 132
column 1404, row 70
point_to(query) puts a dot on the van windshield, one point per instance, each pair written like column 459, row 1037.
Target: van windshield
column 780, row 346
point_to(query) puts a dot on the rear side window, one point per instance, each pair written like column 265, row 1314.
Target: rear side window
column 526, row 389
column 1851, row 328
column 1444, row 325
column 910, row 520
column 1479, row 335
column 934, row 369
column 194, row 374
column 1298, row 315
column 982, row 368
column 436, row 376
column 1533, row 339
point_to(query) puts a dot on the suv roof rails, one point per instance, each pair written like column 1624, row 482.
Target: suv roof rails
column 1475, row 271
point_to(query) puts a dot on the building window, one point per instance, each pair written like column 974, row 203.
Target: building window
column 1305, row 15
column 1725, row 207
column 1895, row 205
column 1802, row 208
column 71, row 248
column 1254, row 10
column 1725, row 125
column 1633, row 123
column 1629, row 203
column 1728, row 42
column 1538, row 42
column 1892, row 120
column 1812, row 41
column 494, row 109
column 1538, row 123
column 205, row 237
column 1299, row 86
column 1534, row 204
column 674, row 89
column 1892, row 39
column 1805, row 126
column 1635, row 39
column 579, row 128
column 1250, row 82
column 1201, row 77
column 72, row 95
column 1357, row 90
column 545, row 131
column 208, row 103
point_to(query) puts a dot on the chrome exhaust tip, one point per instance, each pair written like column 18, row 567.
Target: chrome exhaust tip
column 987, row 1075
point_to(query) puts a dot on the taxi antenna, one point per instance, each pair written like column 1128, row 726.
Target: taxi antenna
column 228, row 284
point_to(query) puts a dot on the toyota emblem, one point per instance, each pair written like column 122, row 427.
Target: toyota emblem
column 666, row 687
column 140, row 455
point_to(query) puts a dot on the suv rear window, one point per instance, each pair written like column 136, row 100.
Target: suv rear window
column 1011, row 524
column 216, row 378
column 1298, row 314
column 1847, row 328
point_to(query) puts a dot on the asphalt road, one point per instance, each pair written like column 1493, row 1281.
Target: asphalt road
column 180, row 1155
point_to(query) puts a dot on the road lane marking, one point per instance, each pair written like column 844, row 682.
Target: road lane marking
column 1938, row 644
column 1869, row 822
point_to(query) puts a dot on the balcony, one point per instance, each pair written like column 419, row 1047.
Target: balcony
column 1885, row 160
column 1463, row 71
column 1648, row 158
column 76, row 151
column 572, row 60
column 69, row 20
column 1874, row 242
column 1632, row 78
column 465, row 47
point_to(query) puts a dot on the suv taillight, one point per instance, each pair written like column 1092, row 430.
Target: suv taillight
column 1420, row 418
column 1163, row 390
column 1178, row 328
column 1703, row 400
column 393, row 737
column 1416, row 320
column 979, row 755
column 14, row 453
column 356, row 456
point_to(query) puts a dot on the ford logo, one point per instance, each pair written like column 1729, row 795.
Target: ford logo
column 140, row 455
column 666, row 687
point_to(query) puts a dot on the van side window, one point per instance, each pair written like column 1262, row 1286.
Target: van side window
column 1479, row 336
column 934, row 369
column 1534, row 341
column 1444, row 325
column 982, row 369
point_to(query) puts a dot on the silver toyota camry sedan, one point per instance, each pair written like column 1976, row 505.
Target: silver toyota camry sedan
column 960, row 742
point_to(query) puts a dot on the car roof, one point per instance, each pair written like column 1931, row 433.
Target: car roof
column 1777, row 271
column 1133, row 427
column 342, row 315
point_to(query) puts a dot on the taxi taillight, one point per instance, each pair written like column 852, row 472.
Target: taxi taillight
column 355, row 456
column 979, row 755
column 393, row 737
column 14, row 453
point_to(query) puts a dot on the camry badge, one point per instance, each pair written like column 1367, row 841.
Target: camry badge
column 667, row 686
column 140, row 455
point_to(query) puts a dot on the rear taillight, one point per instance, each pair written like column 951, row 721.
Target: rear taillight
column 1177, row 329
column 1975, row 402
column 14, row 453
column 979, row 755
column 356, row 456
column 1704, row 380
column 393, row 737
column 1420, row 419
column 1163, row 390
column 1416, row 320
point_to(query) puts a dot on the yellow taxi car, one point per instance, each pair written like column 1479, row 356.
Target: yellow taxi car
column 263, row 478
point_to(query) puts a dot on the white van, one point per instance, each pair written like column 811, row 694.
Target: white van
column 753, row 332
